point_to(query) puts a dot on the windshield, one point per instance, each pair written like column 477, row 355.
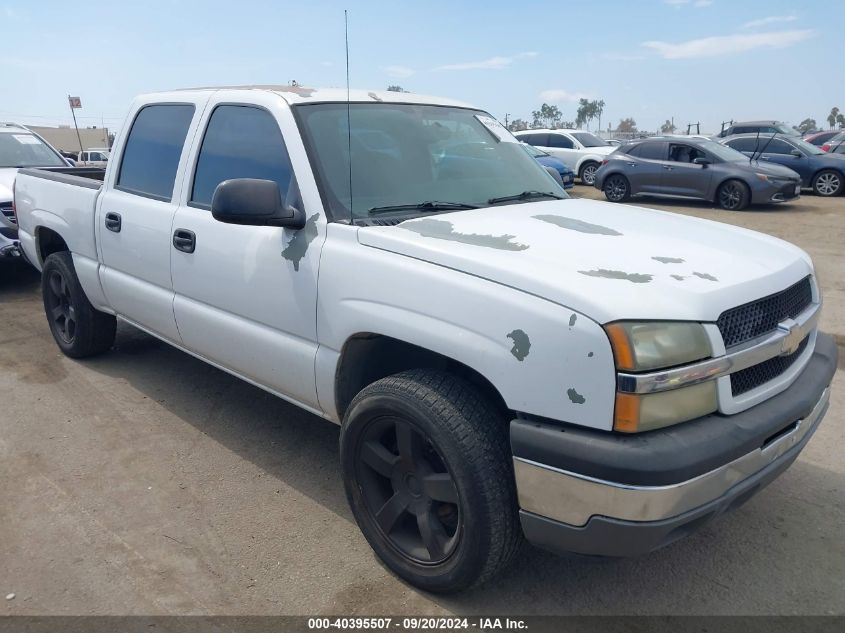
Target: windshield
column 26, row 150
column 532, row 151
column 807, row 147
column 588, row 140
column 724, row 152
column 405, row 155
column 786, row 129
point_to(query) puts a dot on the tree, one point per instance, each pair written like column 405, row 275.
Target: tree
column 517, row 125
column 832, row 118
column 587, row 111
column 840, row 120
column 627, row 126
column 547, row 116
column 807, row 125
column 668, row 127
column 395, row 89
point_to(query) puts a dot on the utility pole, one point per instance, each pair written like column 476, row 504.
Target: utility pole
column 506, row 121
column 74, row 103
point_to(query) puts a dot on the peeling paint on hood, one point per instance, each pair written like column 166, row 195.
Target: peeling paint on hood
column 530, row 255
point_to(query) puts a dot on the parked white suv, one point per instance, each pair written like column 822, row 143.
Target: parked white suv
column 503, row 360
column 580, row 150
column 19, row 147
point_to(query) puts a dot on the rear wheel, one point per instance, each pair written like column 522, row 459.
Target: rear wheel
column 828, row 183
column 617, row 188
column 79, row 329
column 429, row 477
column 588, row 173
column 733, row 195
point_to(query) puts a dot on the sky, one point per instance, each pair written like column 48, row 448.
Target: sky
column 703, row 61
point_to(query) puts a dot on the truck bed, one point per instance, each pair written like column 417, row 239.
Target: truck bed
column 61, row 199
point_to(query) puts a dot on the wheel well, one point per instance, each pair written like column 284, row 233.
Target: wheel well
column 587, row 161
column 367, row 357
column 49, row 242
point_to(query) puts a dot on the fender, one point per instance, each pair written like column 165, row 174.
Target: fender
column 544, row 359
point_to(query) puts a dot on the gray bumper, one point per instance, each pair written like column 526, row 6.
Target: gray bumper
column 571, row 511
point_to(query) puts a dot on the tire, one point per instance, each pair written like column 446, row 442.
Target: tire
column 588, row 173
column 79, row 330
column 452, row 479
column 733, row 195
column 617, row 188
column 828, row 183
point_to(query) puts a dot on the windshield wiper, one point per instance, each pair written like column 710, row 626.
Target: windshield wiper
column 525, row 195
column 431, row 205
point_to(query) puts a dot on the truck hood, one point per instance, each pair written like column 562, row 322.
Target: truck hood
column 7, row 180
column 603, row 260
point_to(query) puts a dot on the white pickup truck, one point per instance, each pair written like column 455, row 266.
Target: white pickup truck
column 503, row 361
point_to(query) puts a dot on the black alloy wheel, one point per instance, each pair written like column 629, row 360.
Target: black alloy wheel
column 59, row 305
column 408, row 490
column 733, row 196
column 616, row 188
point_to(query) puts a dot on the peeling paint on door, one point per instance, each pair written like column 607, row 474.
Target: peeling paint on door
column 298, row 245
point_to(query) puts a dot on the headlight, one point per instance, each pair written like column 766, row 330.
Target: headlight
column 763, row 177
column 647, row 346
column 642, row 346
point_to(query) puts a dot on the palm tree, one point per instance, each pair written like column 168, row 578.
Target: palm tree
column 832, row 117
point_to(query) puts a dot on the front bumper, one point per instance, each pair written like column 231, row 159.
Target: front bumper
column 594, row 492
column 777, row 192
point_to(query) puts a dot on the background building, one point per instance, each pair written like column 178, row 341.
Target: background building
column 64, row 138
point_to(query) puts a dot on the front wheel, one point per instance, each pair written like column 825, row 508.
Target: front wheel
column 429, row 477
column 617, row 188
column 588, row 173
column 733, row 195
column 828, row 183
column 79, row 329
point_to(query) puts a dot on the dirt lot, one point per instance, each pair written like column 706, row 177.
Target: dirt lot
column 146, row 482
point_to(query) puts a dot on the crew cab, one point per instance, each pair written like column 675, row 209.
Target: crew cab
column 93, row 158
column 503, row 361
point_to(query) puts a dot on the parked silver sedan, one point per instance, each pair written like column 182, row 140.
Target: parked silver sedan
column 693, row 168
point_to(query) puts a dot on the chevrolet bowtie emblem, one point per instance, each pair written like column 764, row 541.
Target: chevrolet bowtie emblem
column 793, row 338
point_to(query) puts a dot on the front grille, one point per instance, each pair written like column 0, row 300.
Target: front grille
column 6, row 210
column 754, row 319
column 748, row 379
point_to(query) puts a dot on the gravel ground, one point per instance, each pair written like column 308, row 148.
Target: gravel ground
column 147, row 482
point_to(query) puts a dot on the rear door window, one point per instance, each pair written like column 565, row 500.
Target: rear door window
column 649, row 151
column 560, row 141
column 153, row 149
column 242, row 142
column 777, row 147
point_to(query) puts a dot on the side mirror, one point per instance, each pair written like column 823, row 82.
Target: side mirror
column 701, row 161
column 797, row 153
column 253, row 202
column 554, row 173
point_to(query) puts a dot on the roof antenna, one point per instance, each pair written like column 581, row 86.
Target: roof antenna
column 756, row 147
column 348, row 117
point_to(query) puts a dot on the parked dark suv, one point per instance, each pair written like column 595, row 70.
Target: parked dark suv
column 693, row 168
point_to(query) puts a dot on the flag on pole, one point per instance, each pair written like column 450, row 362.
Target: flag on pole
column 75, row 102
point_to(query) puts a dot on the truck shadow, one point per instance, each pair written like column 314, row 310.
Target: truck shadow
column 17, row 280
column 741, row 562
